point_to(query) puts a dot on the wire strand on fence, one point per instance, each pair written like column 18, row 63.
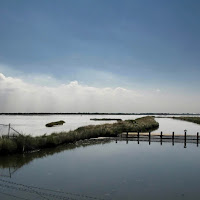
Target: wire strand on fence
column 42, row 194
column 8, row 131
column 4, row 124
column 10, row 195
column 55, row 191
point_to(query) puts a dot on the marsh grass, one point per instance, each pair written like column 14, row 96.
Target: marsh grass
column 195, row 120
column 106, row 119
column 24, row 143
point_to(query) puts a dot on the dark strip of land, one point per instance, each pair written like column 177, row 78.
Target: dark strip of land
column 195, row 120
column 24, row 143
column 105, row 119
column 80, row 113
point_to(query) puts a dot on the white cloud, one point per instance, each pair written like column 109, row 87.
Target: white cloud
column 157, row 90
column 17, row 95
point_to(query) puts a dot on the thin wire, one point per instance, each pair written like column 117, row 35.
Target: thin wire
column 13, row 196
column 41, row 193
column 67, row 193
column 33, row 191
column 15, row 131
column 4, row 125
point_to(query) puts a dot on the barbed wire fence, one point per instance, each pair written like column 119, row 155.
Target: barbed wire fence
column 7, row 131
column 43, row 193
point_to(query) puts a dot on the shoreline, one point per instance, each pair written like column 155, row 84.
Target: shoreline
column 22, row 143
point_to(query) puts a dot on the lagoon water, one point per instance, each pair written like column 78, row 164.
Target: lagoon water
column 35, row 124
column 104, row 170
column 101, row 169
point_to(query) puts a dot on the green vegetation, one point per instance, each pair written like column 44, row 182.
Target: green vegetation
column 61, row 122
column 195, row 120
column 105, row 119
column 23, row 143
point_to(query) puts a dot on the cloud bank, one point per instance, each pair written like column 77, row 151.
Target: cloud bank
column 17, row 95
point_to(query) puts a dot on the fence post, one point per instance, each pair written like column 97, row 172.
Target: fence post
column 127, row 134
column 149, row 138
column 173, row 135
column 161, row 138
column 173, row 138
column 185, row 142
column 8, row 130
column 197, row 138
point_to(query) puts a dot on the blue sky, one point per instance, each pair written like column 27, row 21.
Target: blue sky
column 135, row 44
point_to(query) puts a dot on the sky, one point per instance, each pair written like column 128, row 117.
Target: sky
column 99, row 56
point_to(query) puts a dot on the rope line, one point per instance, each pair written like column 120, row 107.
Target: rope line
column 67, row 193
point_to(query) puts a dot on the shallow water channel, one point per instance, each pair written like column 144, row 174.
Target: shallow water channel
column 104, row 170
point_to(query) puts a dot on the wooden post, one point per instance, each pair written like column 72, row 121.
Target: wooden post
column 161, row 138
column 127, row 134
column 8, row 130
column 197, row 138
column 185, row 142
column 9, row 172
column 138, row 137
column 149, row 138
column 173, row 138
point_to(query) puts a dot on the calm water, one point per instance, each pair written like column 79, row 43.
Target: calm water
column 177, row 126
column 106, row 170
column 35, row 124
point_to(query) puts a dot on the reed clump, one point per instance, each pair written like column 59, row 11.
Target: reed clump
column 24, row 143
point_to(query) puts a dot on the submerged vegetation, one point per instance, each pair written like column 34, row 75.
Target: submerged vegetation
column 195, row 120
column 24, row 143
column 61, row 122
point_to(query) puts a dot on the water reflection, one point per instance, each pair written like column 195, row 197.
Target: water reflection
column 10, row 164
column 110, row 170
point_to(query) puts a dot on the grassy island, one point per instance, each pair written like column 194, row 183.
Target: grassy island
column 61, row 122
column 195, row 120
column 24, row 143
column 105, row 119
